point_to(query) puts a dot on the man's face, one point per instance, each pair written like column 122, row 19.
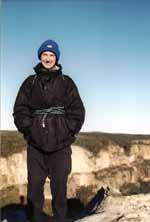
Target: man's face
column 48, row 59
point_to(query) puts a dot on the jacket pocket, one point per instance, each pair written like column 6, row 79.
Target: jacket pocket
column 63, row 130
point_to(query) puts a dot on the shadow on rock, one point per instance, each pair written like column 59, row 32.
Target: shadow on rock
column 76, row 209
column 19, row 212
column 89, row 209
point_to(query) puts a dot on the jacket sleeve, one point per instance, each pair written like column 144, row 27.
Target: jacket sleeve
column 75, row 111
column 21, row 110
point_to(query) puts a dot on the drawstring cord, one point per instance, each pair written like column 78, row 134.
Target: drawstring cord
column 52, row 110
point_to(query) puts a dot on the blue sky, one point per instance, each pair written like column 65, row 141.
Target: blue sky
column 105, row 48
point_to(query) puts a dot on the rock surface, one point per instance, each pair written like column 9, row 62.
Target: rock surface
column 115, row 207
column 134, row 208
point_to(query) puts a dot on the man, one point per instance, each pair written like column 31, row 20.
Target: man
column 48, row 111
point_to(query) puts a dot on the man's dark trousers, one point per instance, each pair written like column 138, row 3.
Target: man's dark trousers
column 57, row 166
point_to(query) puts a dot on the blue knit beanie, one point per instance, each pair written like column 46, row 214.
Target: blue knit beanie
column 51, row 46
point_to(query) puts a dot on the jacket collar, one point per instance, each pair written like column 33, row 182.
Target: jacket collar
column 48, row 74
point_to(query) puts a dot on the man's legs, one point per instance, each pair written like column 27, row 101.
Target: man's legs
column 60, row 168
column 36, row 179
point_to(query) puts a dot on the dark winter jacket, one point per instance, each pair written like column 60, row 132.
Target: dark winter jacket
column 46, row 89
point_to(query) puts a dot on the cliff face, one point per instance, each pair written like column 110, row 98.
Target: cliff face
column 13, row 170
column 114, row 167
column 124, row 170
